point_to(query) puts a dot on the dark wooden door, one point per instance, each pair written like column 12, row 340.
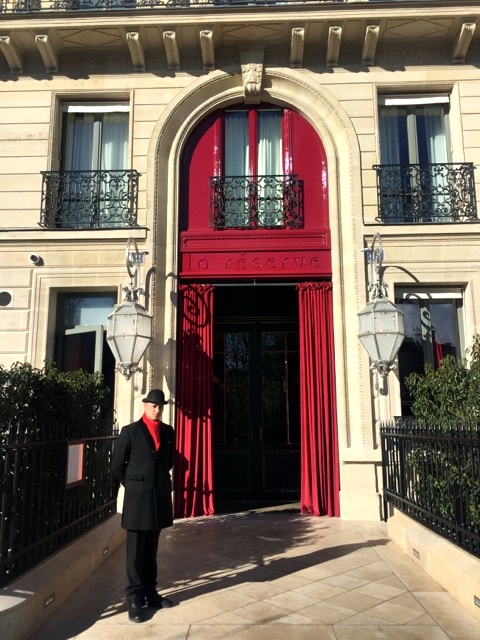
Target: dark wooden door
column 256, row 411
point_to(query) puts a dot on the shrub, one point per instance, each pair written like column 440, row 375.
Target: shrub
column 447, row 402
column 34, row 400
column 449, row 393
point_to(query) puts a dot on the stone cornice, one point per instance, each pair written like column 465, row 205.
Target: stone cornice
column 331, row 30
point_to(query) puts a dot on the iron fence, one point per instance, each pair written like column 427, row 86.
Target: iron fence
column 432, row 474
column 412, row 193
column 100, row 199
column 52, row 490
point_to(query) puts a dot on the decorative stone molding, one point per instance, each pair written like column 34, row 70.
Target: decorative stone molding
column 48, row 53
column 297, row 47
column 333, row 45
column 370, row 44
column 171, row 49
column 463, row 42
column 135, row 47
column 11, row 54
column 208, row 49
column 251, row 61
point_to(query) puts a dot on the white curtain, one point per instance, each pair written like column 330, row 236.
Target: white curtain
column 79, row 141
column 389, row 135
column 415, row 134
column 114, row 141
column 270, row 201
column 96, row 140
column 439, row 197
column 269, row 143
column 237, row 160
column 434, row 118
column 236, row 144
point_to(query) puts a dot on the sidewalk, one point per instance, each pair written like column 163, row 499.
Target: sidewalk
column 270, row 575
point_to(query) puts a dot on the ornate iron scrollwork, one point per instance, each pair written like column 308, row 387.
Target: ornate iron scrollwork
column 410, row 193
column 89, row 199
column 244, row 202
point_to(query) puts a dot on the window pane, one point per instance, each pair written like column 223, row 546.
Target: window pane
column 86, row 310
column 114, row 141
column 413, row 134
column 280, row 387
column 393, row 135
column 431, row 333
column 78, row 352
column 236, row 376
column 236, row 143
column 80, row 342
column 444, row 330
column 269, row 143
column 431, row 142
column 78, row 152
column 95, row 141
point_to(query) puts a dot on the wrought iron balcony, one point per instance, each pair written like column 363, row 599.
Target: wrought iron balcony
column 89, row 199
column 437, row 193
column 246, row 202
column 31, row 6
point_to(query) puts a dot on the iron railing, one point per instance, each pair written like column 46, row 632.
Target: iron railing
column 33, row 6
column 51, row 491
column 438, row 193
column 89, row 199
column 431, row 473
column 245, row 202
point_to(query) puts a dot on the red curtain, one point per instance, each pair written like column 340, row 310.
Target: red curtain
column 193, row 481
column 320, row 484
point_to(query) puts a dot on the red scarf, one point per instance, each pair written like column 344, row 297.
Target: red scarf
column 154, row 428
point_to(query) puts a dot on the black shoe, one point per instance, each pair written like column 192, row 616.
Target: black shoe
column 135, row 613
column 157, row 601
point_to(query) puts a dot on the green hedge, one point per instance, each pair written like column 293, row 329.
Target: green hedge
column 449, row 393
column 32, row 400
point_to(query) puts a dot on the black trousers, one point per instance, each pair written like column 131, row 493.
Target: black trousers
column 142, row 549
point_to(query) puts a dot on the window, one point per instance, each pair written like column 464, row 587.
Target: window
column 93, row 184
column 417, row 182
column 256, row 187
column 95, row 137
column 81, row 334
column 413, row 129
column 432, row 331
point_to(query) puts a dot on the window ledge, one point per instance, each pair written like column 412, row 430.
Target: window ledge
column 138, row 233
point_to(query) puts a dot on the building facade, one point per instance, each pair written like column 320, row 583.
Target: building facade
column 252, row 151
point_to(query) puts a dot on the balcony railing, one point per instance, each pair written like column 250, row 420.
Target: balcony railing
column 437, row 193
column 89, row 199
column 32, row 6
column 244, row 202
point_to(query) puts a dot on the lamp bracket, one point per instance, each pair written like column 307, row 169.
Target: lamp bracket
column 383, row 368
column 376, row 287
column 127, row 370
column 133, row 257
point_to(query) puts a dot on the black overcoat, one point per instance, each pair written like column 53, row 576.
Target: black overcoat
column 145, row 474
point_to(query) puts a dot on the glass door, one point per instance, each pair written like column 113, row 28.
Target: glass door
column 256, row 411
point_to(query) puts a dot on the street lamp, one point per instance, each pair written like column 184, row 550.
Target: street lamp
column 130, row 326
column 380, row 324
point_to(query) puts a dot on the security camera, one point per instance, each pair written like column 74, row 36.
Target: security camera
column 35, row 258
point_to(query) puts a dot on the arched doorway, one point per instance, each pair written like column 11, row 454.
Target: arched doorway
column 256, row 395
column 255, row 420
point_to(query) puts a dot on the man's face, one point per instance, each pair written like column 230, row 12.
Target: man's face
column 153, row 411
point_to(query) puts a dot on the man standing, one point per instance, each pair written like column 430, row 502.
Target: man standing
column 142, row 460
